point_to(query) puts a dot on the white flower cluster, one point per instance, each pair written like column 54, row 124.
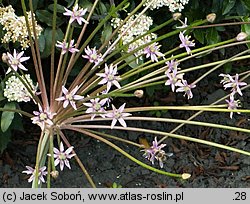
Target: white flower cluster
column 15, row 27
column 140, row 27
column 173, row 5
column 15, row 90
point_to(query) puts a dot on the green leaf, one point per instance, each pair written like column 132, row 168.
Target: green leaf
column 7, row 116
column 4, row 140
column 70, row 3
column 150, row 90
column 246, row 28
column 227, row 6
column 199, row 35
column 241, row 9
column 59, row 9
column 132, row 60
column 86, row 4
column 35, row 3
column 227, row 68
column 44, row 16
column 41, row 41
column 102, row 8
column 48, row 40
column 212, row 36
column 106, row 33
column 1, row 91
column 111, row 11
column 246, row 3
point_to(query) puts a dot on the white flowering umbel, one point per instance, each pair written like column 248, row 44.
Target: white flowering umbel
column 141, row 26
column 15, row 28
column 173, row 5
column 15, row 90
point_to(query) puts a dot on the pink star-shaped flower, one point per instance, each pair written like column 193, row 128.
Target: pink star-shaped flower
column 76, row 14
column 15, row 61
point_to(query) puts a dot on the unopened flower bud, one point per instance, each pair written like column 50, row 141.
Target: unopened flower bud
column 241, row 36
column 176, row 16
column 5, row 58
column 185, row 176
column 54, row 174
column 139, row 93
column 211, row 17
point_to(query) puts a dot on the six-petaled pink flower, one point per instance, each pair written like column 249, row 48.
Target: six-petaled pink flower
column 92, row 55
column 61, row 156
column 232, row 104
column 156, row 152
column 185, row 87
column 41, row 174
column 43, row 118
column 153, row 52
column 76, row 14
column 118, row 115
column 172, row 64
column 67, row 47
column 15, row 61
column 96, row 106
column 69, row 97
column 233, row 82
column 185, row 42
column 109, row 77
column 174, row 79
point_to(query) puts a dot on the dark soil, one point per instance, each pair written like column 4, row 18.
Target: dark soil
column 209, row 166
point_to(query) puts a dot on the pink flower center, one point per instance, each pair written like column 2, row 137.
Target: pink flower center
column 15, row 61
column 43, row 116
column 97, row 106
column 62, row 156
column 69, row 97
column 110, row 77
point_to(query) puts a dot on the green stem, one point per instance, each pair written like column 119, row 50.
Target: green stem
column 190, row 108
column 169, row 120
column 123, row 152
column 87, row 41
column 75, row 127
column 74, row 58
column 198, row 52
column 115, row 138
column 35, row 181
column 219, row 65
column 37, row 52
column 157, row 40
column 78, row 160
column 17, row 111
column 35, row 61
column 49, row 171
column 52, row 59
